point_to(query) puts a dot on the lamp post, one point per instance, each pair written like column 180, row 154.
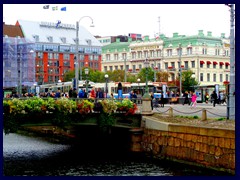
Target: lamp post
column 76, row 55
column 125, row 73
column 106, row 77
column 86, row 72
column 180, row 70
column 138, row 80
column 231, row 102
column 146, row 65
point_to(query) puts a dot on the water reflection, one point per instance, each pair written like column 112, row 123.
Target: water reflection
column 31, row 156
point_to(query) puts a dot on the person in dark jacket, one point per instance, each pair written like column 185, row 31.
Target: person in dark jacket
column 186, row 100
column 162, row 99
column 214, row 98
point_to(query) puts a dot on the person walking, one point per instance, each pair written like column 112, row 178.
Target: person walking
column 162, row 99
column 186, row 100
column 214, row 98
column 194, row 100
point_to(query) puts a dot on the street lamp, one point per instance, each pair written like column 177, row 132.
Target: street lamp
column 76, row 55
column 146, row 65
column 106, row 77
column 231, row 102
column 180, row 69
column 86, row 72
column 138, row 80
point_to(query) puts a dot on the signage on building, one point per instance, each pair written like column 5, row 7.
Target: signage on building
column 52, row 24
column 144, row 48
column 226, row 45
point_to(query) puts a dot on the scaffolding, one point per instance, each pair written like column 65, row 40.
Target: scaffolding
column 18, row 63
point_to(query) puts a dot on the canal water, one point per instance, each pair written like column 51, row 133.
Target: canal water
column 34, row 156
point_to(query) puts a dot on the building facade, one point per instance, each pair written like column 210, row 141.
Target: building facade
column 18, row 60
column 55, row 49
column 207, row 56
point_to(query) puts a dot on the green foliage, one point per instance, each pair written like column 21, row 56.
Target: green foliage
column 106, row 120
column 34, row 105
column 65, row 105
column 221, row 119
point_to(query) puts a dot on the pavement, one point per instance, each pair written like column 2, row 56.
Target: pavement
column 218, row 111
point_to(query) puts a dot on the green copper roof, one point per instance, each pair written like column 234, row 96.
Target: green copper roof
column 119, row 46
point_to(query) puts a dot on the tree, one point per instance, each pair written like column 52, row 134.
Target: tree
column 162, row 76
column 188, row 81
column 142, row 74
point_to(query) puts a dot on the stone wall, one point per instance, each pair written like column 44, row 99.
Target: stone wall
column 213, row 148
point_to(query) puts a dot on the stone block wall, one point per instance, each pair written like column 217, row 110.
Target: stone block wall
column 214, row 148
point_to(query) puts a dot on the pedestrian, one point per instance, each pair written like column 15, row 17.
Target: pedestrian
column 99, row 93
column 81, row 93
column 194, row 100
column 70, row 93
column 162, row 100
column 74, row 93
column 214, row 98
column 186, row 100
column 92, row 94
column 206, row 98
column 152, row 97
column 119, row 90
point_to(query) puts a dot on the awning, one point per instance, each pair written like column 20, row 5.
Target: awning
column 209, row 62
column 202, row 62
column 227, row 63
column 221, row 63
column 214, row 62
column 170, row 67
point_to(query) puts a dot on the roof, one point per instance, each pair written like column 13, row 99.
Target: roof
column 31, row 29
column 12, row 30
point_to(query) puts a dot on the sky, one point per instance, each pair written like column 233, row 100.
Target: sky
column 122, row 19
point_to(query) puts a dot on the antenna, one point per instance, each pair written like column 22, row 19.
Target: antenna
column 159, row 26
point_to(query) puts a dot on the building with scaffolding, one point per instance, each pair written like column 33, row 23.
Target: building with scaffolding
column 18, row 65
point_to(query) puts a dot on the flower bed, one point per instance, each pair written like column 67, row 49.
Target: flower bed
column 61, row 111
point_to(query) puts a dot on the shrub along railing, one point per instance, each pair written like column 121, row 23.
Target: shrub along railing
column 63, row 111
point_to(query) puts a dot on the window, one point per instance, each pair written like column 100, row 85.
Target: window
column 214, row 78
column 50, row 55
column 36, row 38
column 173, row 64
column 201, row 65
column 193, row 64
column 159, row 53
column 159, row 65
column 186, row 64
column 133, row 55
column 66, row 56
column 50, row 39
column 124, row 56
column 121, row 67
column 179, row 51
column 166, row 65
column 169, row 52
column 221, row 77
column 127, row 67
column 208, row 77
column 116, row 67
column 63, row 39
column 105, row 68
column 151, row 53
column 226, row 77
column 90, row 57
column 140, row 54
column 201, row 76
column 145, row 54
column 214, row 66
column 204, row 51
column 217, row 52
column 107, row 57
column 208, row 65
column 189, row 51
column 134, row 68
column 140, row 66
column 110, row 68
column 115, row 56
column 55, row 56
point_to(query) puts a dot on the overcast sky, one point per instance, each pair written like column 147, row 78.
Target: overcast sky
column 122, row 19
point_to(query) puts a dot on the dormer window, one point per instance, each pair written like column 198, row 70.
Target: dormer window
column 36, row 38
column 63, row 39
column 89, row 42
column 50, row 39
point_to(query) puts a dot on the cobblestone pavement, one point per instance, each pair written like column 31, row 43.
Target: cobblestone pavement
column 219, row 111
